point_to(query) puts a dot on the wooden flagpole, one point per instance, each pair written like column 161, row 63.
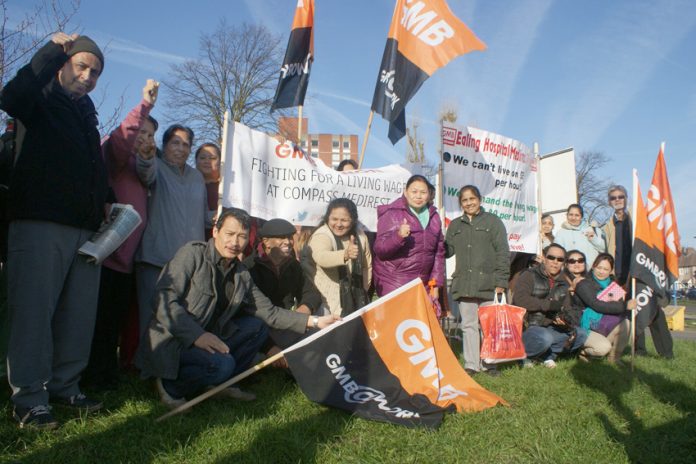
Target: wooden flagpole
column 214, row 391
column 540, row 243
column 299, row 126
column 634, row 209
column 223, row 160
column 365, row 137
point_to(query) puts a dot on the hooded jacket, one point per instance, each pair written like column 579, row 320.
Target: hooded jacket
column 573, row 238
column 399, row 260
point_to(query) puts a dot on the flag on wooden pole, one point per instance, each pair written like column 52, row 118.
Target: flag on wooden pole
column 424, row 36
column 294, row 74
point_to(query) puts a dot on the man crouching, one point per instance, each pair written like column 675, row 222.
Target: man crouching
column 209, row 317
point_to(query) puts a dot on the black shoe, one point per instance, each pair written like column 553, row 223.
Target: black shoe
column 471, row 372
column 492, row 372
column 38, row 417
column 79, row 401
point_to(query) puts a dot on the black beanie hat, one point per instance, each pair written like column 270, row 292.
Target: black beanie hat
column 85, row 44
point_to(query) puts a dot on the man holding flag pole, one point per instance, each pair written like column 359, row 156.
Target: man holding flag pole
column 654, row 261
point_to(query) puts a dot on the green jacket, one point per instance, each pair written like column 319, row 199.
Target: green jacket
column 480, row 247
column 185, row 303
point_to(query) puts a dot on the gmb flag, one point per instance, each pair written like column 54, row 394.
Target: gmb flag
column 424, row 35
column 294, row 74
column 389, row 362
column 655, row 256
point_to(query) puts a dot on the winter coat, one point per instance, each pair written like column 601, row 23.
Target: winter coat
column 573, row 238
column 482, row 255
column 588, row 289
column 399, row 260
column 290, row 287
column 59, row 175
column 541, row 295
column 185, row 302
column 321, row 261
column 119, row 157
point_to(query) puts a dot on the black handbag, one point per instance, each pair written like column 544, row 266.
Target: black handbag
column 351, row 291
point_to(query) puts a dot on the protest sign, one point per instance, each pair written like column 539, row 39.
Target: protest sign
column 270, row 179
column 503, row 169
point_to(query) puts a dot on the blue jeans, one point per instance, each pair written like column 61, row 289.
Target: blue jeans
column 199, row 369
column 548, row 343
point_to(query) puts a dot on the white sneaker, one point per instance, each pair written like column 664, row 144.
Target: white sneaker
column 166, row 398
column 550, row 363
column 236, row 393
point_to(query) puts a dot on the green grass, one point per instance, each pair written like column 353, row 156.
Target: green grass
column 586, row 413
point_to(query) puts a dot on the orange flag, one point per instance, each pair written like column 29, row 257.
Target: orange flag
column 662, row 216
column 424, row 36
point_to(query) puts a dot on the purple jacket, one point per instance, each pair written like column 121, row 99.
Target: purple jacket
column 399, row 260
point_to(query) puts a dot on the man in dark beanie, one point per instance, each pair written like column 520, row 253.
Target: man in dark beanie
column 57, row 200
column 278, row 274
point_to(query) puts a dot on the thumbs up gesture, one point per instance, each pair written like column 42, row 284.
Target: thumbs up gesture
column 352, row 250
column 404, row 229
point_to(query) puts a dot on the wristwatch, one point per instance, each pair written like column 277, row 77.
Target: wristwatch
column 315, row 322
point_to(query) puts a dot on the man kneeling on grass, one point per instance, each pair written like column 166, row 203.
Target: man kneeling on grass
column 209, row 319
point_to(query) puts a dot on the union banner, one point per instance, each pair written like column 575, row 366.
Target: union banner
column 390, row 362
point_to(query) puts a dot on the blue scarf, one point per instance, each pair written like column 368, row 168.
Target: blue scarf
column 590, row 317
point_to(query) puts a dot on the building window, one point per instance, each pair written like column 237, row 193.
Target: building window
column 334, row 144
column 346, row 145
column 346, row 156
column 315, row 144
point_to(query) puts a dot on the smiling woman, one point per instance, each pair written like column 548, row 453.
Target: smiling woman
column 338, row 255
column 177, row 211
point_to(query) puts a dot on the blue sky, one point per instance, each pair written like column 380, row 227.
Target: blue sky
column 612, row 76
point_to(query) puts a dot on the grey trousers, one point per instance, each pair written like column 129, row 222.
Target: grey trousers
column 52, row 298
column 146, row 276
column 471, row 338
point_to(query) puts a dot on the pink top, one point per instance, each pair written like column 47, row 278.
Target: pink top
column 119, row 156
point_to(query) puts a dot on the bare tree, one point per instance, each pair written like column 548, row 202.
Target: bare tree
column 592, row 186
column 236, row 71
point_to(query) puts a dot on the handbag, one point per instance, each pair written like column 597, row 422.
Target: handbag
column 501, row 324
column 351, row 292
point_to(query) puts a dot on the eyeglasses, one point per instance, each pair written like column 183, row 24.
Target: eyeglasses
column 576, row 261
column 618, row 197
column 560, row 259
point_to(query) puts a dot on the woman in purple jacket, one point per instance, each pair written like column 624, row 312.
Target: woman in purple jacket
column 409, row 241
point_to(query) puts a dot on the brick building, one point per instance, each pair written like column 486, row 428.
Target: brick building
column 330, row 148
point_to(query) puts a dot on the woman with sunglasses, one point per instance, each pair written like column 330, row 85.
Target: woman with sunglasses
column 596, row 345
column 608, row 318
column 576, row 234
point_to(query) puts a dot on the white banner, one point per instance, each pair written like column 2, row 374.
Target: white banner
column 503, row 169
column 273, row 180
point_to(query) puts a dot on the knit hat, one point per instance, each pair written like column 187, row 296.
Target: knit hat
column 85, row 44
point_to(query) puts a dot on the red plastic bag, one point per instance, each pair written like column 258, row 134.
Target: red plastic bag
column 501, row 325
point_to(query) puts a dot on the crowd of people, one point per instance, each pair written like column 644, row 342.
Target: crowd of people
column 192, row 297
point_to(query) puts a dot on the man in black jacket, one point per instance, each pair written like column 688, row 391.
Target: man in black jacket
column 543, row 292
column 280, row 277
column 57, row 199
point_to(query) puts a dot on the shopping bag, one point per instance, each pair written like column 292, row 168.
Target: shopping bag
column 501, row 325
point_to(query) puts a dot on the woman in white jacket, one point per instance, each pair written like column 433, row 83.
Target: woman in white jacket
column 576, row 234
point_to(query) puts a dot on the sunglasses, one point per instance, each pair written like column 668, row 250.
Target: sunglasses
column 576, row 261
column 560, row 259
column 619, row 197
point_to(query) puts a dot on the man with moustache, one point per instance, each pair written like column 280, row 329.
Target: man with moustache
column 279, row 276
column 58, row 196
column 211, row 318
column 543, row 292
